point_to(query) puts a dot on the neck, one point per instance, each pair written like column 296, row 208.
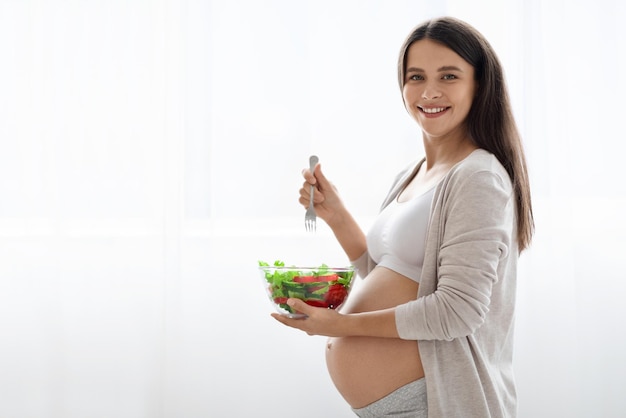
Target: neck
column 444, row 153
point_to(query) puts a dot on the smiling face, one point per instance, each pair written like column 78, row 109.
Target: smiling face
column 438, row 89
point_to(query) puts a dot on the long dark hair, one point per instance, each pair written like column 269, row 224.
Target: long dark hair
column 490, row 120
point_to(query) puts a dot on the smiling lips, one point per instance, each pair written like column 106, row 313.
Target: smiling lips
column 432, row 110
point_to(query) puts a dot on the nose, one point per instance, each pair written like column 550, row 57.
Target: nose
column 431, row 92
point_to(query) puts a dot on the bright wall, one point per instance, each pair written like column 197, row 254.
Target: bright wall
column 151, row 154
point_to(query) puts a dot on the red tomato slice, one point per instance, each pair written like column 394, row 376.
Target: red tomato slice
column 328, row 278
column 317, row 303
column 313, row 279
column 305, row 279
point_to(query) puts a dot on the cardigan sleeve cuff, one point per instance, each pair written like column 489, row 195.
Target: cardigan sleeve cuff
column 405, row 322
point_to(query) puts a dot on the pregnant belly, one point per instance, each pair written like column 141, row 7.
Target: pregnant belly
column 365, row 369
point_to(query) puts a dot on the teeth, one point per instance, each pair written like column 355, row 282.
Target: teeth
column 434, row 109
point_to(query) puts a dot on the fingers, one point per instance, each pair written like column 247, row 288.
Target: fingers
column 305, row 194
column 320, row 177
column 317, row 320
column 299, row 306
column 317, row 176
column 324, row 189
column 311, row 180
column 309, row 177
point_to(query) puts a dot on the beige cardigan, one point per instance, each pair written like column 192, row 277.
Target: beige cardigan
column 463, row 316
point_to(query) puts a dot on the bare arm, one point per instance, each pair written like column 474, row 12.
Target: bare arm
column 328, row 322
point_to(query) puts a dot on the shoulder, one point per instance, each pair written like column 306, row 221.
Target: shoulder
column 479, row 164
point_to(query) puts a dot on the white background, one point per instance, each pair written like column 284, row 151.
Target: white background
column 151, row 154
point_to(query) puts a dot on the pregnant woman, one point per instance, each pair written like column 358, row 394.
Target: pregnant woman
column 429, row 333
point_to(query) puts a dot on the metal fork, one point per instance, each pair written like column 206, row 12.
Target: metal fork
column 310, row 218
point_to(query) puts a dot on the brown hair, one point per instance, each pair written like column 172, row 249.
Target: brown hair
column 490, row 120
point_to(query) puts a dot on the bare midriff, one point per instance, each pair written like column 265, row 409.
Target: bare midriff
column 365, row 369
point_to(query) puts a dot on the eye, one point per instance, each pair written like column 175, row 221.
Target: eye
column 449, row 77
column 416, row 77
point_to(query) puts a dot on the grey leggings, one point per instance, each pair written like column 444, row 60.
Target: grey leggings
column 408, row 401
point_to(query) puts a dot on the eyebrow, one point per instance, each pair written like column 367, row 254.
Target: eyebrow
column 440, row 69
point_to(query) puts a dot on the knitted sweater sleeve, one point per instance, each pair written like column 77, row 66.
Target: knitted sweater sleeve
column 470, row 232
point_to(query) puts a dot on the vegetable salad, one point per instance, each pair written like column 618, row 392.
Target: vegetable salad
column 323, row 287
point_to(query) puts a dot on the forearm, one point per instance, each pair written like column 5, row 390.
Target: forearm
column 329, row 322
column 372, row 324
column 349, row 235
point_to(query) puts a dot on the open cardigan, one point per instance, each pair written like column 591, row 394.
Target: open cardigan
column 463, row 315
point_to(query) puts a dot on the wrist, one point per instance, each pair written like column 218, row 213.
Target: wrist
column 338, row 220
column 351, row 325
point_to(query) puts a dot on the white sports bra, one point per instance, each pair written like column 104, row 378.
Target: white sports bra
column 397, row 237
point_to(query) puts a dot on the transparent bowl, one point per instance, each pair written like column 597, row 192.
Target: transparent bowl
column 324, row 287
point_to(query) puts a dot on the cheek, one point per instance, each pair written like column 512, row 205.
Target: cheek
column 408, row 95
column 470, row 102
column 467, row 99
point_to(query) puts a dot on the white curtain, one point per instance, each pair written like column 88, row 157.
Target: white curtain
column 151, row 155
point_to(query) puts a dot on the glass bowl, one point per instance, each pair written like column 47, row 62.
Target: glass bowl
column 323, row 286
